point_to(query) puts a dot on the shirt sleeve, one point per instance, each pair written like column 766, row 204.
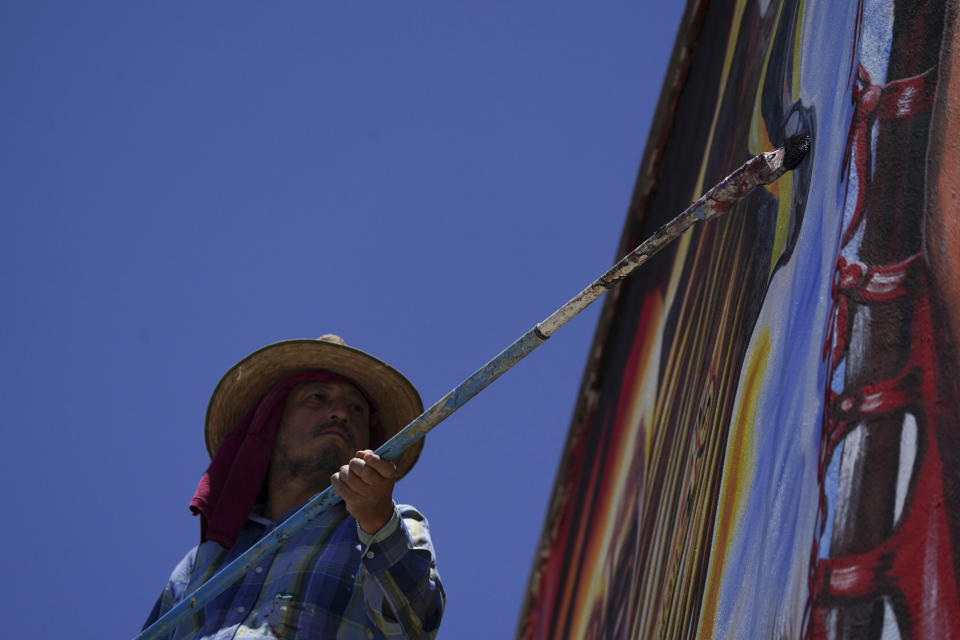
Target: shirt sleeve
column 400, row 561
column 173, row 591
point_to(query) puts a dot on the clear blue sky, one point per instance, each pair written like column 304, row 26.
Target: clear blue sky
column 182, row 183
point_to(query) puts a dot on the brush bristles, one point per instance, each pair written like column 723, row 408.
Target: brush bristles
column 795, row 149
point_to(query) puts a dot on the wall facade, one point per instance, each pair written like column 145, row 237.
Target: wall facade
column 767, row 438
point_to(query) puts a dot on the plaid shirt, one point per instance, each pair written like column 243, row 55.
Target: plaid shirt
column 331, row 580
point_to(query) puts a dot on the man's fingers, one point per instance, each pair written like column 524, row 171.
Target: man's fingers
column 355, row 479
column 364, row 487
column 341, row 487
column 383, row 467
column 359, row 469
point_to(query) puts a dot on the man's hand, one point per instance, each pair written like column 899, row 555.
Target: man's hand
column 366, row 486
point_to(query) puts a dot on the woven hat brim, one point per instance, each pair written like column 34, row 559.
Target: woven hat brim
column 242, row 387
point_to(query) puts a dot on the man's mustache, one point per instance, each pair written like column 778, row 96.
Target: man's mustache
column 332, row 425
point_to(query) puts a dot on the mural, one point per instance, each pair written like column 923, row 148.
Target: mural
column 767, row 438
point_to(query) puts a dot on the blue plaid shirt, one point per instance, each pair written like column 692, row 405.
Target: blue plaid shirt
column 331, row 580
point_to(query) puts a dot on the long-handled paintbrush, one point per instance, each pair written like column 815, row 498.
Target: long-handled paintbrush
column 762, row 169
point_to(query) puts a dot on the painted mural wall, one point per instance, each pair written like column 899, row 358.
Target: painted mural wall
column 767, row 440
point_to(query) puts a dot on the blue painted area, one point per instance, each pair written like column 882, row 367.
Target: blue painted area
column 877, row 38
column 831, row 485
column 769, row 556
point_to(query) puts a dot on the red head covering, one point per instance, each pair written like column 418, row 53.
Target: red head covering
column 232, row 483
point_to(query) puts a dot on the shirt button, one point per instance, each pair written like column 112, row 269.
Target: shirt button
column 370, row 554
column 258, row 570
column 241, row 609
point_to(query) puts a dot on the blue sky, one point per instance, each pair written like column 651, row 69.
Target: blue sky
column 182, row 183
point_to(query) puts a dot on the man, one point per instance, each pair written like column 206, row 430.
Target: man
column 283, row 424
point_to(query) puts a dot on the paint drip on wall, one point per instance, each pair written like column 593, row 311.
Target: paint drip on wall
column 767, row 436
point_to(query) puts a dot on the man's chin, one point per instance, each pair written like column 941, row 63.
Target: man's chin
column 315, row 468
column 334, row 454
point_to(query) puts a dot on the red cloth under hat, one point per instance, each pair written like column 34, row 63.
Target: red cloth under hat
column 231, row 484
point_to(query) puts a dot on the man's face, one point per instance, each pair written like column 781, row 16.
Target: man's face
column 323, row 425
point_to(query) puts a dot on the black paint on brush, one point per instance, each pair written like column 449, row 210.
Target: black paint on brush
column 795, row 149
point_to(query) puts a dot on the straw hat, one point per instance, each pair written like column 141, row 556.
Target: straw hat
column 242, row 387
